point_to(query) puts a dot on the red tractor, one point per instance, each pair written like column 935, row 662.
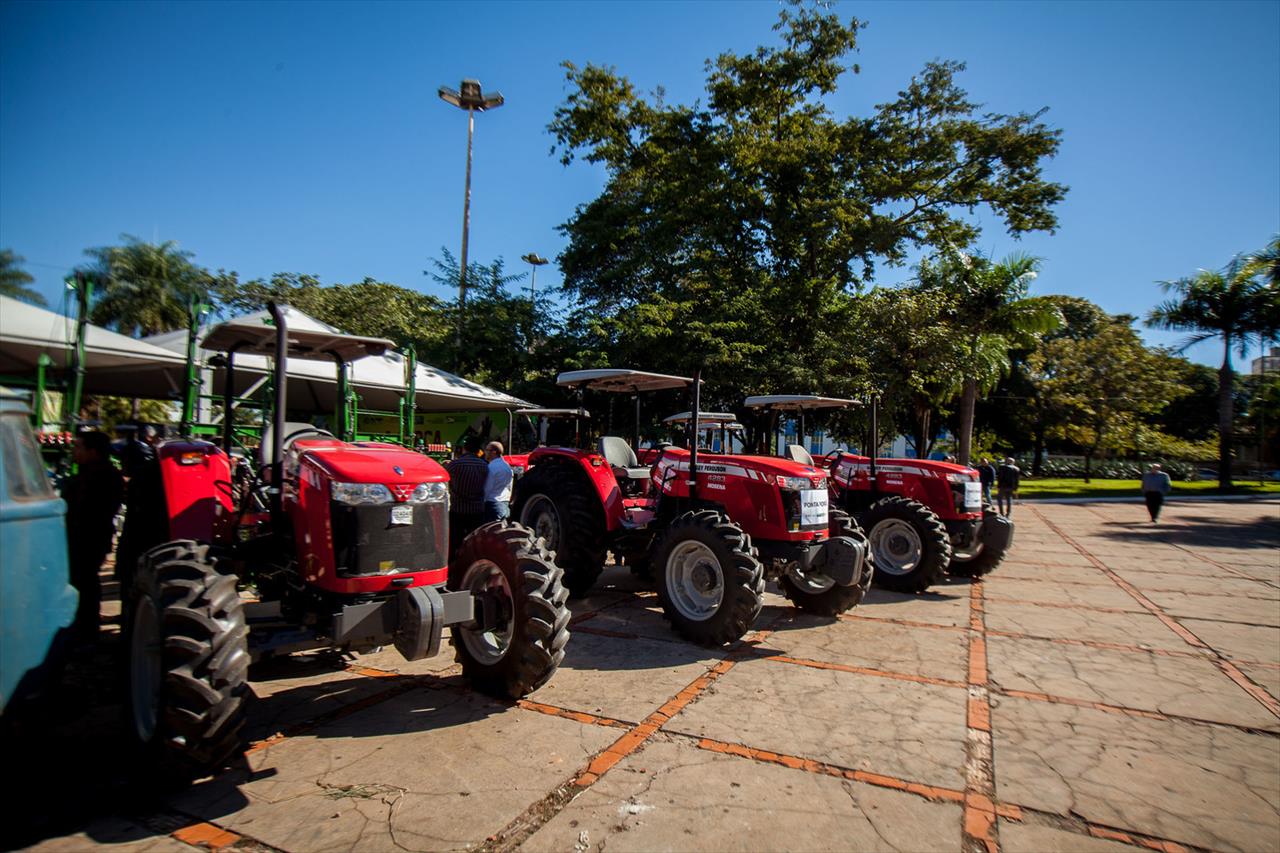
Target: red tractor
column 702, row 523
column 321, row 543
column 922, row 517
column 550, row 425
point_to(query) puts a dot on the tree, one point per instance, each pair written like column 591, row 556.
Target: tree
column 1106, row 383
column 992, row 314
column 146, row 288
column 1233, row 304
column 14, row 279
column 730, row 233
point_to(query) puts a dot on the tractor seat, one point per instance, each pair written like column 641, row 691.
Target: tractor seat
column 621, row 458
column 293, row 430
column 796, row 453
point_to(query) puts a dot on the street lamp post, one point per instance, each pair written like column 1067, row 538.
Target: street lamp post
column 535, row 260
column 471, row 100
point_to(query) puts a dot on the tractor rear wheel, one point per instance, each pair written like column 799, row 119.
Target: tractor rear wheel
column 549, row 503
column 977, row 561
column 528, row 621
column 710, row 583
column 820, row 594
column 909, row 544
column 188, row 655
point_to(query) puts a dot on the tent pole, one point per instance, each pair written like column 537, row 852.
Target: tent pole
column 42, row 364
column 71, row 403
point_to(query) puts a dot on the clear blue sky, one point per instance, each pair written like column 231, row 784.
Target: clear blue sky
column 308, row 137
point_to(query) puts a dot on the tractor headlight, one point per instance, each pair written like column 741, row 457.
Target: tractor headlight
column 794, row 483
column 956, row 477
column 430, row 493
column 360, row 494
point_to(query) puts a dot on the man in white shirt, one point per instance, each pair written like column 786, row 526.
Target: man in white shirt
column 497, row 485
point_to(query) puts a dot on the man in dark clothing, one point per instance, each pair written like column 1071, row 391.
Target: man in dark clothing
column 93, row 497
column 1007, row 477
column 467, row 475
column 1155, row 485
column 987, row 474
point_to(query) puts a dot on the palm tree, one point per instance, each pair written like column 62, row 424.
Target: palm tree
column 992, row 314
column 147, row 288
column 14, row 281
column 1232, row 304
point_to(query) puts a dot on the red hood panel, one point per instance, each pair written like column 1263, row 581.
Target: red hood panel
column 369, row 462
column 764, row 464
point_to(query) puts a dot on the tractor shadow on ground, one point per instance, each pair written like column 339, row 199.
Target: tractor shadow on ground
column 1261, row 531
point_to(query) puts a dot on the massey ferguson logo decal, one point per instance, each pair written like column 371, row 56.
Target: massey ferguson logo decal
column 401, row 492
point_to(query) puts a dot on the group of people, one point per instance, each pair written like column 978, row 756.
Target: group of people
column 479, row 488
column 1005, row 479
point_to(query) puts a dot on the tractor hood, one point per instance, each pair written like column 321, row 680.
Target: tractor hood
column 919, row 467
column 770, row 465
column 369, row 462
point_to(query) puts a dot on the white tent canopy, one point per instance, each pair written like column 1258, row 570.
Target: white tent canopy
column 114, row 364
column 378, row 379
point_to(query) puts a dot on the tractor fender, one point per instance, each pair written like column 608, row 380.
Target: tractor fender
column 595, row 469
column 197, row 490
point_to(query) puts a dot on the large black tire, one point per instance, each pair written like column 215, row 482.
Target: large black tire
column 909, row 544
column 188, row 659
column 517, row 658
column 980, row 561
column 830, row 599
column 700, row 552
column 553, row 501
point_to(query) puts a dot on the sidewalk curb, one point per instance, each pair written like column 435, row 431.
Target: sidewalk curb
column 1138, row 499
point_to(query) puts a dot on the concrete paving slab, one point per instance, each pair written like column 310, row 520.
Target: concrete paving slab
column 1134, row 629
column 1243, row 642
column 898, row 728
column 1028, row 837
column 674, row 796
column 115, row 834
column 943, row 604
column 1085, row 573
column 1209, row 786
column 878, row 645
column 642, row 618
column 430, row 769
column 1267, row 677
column 1219, row 583
column 390, row 660
column 622, row 678
column 1187, row 687
column 1109, row 596
column 1250, row 611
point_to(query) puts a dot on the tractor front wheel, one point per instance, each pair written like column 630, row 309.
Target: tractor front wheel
column 188, row 659
column 978, row 560
column 820, row 594
column 710, row 583
column 519, row 641
column 567, row 519
column 909, row 544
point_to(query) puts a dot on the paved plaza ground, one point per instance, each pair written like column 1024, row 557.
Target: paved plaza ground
column 1113, row 685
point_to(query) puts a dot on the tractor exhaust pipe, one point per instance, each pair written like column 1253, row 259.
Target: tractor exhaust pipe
column 278, row 410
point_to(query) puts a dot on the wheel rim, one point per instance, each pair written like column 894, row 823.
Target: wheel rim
column 896, row 547
column 958, row 556
column 145, row 668
column 695, row 580
column 814, row 584
column 488, row 647
column 541, row 516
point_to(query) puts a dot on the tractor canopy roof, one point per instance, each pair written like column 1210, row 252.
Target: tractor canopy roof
column 555, row 413
column 798, row 402
column 621, row 380
column 256, row 333
column 707, row 419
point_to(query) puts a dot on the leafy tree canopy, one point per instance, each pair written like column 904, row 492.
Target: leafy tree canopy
column 15, row 281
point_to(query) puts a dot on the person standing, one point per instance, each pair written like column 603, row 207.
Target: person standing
column 497, row 486
column 1007, row 478
column 987, row 475
column 1155, row 485
column 93, row 497
column 467, row 476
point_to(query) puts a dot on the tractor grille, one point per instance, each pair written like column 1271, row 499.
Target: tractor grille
column 365, row 542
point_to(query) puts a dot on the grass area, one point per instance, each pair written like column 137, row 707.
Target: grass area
column 1074, row 487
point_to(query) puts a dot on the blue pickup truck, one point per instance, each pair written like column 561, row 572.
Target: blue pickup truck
column 37, row 603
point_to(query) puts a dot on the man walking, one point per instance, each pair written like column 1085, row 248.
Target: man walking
column 467, row 476
column 497, row 486
column 93, row 498
column 987, row 474
column 1155, row 485
column 1007, row 477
